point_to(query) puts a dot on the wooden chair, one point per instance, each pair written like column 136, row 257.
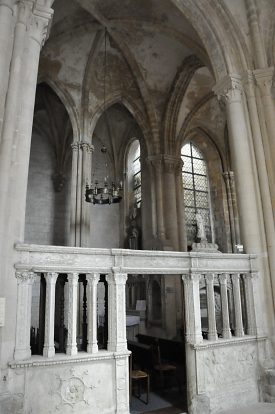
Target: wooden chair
column 163, row 369
column 138, row 376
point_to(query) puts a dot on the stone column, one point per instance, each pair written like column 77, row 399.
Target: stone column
column 157, row 166
column 49, row 350
column 237, row 305
column 116, row 311
column 231, row 90
column 87, row 150
column 30, row 31
column 6, row 31
column 72, row 316
column 211, row 313
column 226, row 332
column 263, row 78
column 233, row 208
column 170, row 201
column 23, row 318
column 193, row 332
column 265, row 171
column 74, row 220
column 92, row 280
column 249, row 301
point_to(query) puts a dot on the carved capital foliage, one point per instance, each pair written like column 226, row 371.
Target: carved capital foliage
column 249, row 84
column 73, row 278
column 156, row 162
column 92, row 278
column 235, row 277
column 86, row 146
column 172, row 164
column 75, row 146
column 51, row 277
column 191, row 278
column 25, row 277
column 116, row 278
column 264, row 78
column 229, row 89
column 39, row 23
column 223, row 278
column 209, row 278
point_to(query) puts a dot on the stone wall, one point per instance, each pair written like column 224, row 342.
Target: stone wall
column 228, row 375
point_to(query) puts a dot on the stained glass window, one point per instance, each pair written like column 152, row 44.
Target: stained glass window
column 196, row 191
column 137, row 177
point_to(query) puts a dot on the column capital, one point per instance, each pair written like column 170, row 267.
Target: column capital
column 75, row 146
column 73, row 277
column 235, row 277
column 86, row 146
column 51, row 277
column 39, row 23
column 191, row 277
column 26, row 277
column 116, row 278
column 155, row 161
column 223, row 278
column 209, row 278
column 92, row 278
column 230, row 88
column 38, row 29
column 264, row 78
column 172, row 164
column 248, row 80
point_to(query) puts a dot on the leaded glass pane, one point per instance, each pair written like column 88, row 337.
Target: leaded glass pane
column 188, row 180
column 199, row 166
column 189, row 198
column 200, row 182
column 196, row 192
column 202, row 200
column 187, row 167
column 186, row 150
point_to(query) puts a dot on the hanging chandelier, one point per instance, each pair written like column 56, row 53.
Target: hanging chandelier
column 109, row 192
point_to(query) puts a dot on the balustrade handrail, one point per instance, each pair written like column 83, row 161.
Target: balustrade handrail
column 64, row 259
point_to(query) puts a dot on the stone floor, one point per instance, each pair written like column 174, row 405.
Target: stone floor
column 159, row 405
column 261, row 408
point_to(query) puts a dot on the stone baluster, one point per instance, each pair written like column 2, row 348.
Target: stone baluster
column 249, row 301
column 23, row 319
column 72, row 316
column 226, row 332
column 237, row 304
column 48, row 349
column 116, row 311
column 92, row 282
column 192, row 307
column 211, row 313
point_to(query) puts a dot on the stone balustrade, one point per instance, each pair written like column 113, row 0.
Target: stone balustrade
column 232, row 275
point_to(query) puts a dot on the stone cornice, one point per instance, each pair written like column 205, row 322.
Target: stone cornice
column 206, row 344
column 65, row 360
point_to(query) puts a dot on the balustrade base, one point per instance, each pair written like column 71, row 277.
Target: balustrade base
column 21, row 354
